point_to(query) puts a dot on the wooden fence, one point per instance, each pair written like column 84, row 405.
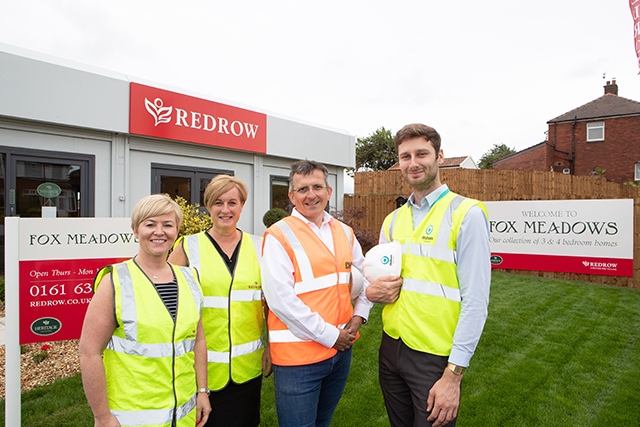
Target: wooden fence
column 376, row 193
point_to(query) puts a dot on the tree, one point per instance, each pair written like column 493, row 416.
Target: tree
column 376, row 152
column 498, row 151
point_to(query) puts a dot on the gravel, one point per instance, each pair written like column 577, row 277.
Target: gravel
column 59, row 360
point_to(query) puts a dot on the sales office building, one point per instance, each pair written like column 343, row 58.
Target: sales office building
column 107, row 140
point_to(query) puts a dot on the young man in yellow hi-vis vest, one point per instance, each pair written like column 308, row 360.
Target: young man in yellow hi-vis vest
column 436, row 310
column 306, row 271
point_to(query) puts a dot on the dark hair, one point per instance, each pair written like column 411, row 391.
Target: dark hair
column 306, row 167
column 418, row 130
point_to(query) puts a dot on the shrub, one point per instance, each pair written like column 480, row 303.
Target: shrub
column 273, row 215
column 352, row 216
column 194, row 220
column 2, row 290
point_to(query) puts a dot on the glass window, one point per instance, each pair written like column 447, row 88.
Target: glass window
column 186, row 183
column 595, row 131
column 30, row 174
column 280, row 193
column 22, row 171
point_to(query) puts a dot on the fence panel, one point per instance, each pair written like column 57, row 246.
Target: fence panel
column 376, row 193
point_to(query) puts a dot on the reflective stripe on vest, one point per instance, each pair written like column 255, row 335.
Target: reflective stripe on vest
column 236, row 296
column 309, row 283
column 285, row 335
column 154, row 416
column 327, row 294
column 236, row 351
column 426, row 313
column 232, row 316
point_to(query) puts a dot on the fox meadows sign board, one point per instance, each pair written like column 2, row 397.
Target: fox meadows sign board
column 58, row 259
column 571, row 236
column 163, row 114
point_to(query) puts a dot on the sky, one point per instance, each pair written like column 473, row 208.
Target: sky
column 481, row 73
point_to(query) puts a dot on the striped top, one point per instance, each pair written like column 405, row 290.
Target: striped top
column 169, row 294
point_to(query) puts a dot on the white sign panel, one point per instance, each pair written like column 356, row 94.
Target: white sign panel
column 573, row 236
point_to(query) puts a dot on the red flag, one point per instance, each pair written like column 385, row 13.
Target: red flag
column 635, row 13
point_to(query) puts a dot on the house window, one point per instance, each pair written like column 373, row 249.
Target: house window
column 636, row 172
column 595, row 131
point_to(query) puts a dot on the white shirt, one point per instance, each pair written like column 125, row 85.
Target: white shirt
column 278, row 287
column 474, row 274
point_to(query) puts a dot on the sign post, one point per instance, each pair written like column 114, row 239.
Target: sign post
column 50, row 264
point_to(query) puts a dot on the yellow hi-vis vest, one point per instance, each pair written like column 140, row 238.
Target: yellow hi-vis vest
column 232, row 315
column 426, row 313
column 149, row 361
column 321, row 282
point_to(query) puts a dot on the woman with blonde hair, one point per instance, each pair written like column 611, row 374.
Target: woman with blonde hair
column 142, row 349
column 228, row 262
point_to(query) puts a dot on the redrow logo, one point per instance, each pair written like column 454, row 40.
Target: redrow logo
column 198, row 120
column 600, row 264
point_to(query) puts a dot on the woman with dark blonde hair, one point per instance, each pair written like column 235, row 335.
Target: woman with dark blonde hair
column 228, row 262
column 142, row 349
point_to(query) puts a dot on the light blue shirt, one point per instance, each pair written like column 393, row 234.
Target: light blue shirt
column 474, row 273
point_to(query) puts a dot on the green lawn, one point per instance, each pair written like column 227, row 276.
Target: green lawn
column 553, row 353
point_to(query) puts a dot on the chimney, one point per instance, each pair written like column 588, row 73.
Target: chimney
column 611, row 87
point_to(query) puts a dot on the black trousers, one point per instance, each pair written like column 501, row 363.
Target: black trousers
column 406, row 376
column 236, row 405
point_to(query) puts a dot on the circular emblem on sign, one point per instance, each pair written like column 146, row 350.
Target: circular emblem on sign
column 46, row 326
column 49, row 190
column 496, row 259
column 429, row 229
column 385, row 260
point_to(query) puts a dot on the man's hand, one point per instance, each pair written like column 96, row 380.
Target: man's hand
column 267, row 366
column 385, row 289
column 444, row 399
column 354, row 324
column 345, row 340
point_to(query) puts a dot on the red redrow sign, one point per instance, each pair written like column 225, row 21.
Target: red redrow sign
column 169, row 115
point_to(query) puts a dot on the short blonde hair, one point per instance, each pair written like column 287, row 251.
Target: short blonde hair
column 220, row 185
column 155, row 205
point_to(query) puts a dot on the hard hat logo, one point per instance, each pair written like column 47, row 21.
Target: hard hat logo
column 384, row 259
column 430, row 229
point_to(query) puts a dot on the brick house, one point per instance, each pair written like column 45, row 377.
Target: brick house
column 600, row 137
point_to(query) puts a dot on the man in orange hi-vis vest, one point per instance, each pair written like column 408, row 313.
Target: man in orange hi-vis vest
column 306, row 271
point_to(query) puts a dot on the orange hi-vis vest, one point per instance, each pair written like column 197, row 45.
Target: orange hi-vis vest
column 321, row 282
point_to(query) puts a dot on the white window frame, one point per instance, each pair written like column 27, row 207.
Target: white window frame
column 636, row 172
column 591, row 128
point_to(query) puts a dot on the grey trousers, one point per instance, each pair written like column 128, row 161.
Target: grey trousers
column 406, row 376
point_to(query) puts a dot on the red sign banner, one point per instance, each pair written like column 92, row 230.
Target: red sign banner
column 54, row 296
column 635, row 13
column 164, row 114
column 563, row 264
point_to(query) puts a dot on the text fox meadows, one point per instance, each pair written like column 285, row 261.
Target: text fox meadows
column 80, row 239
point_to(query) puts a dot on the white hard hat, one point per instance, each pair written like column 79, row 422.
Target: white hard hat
column 357, row 283
column 384, row 259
